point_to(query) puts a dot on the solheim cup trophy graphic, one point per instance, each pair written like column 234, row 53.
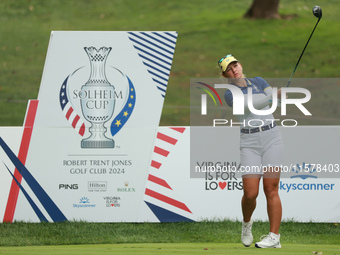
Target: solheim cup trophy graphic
column 97, row 99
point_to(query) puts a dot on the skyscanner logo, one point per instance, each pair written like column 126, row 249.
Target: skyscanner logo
column 305, row 171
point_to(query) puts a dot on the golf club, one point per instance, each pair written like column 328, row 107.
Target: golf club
column 317, row 13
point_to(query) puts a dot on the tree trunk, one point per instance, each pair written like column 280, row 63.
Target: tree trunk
column 263, row 9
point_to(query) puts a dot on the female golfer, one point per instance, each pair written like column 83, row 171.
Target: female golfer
column 261, row 152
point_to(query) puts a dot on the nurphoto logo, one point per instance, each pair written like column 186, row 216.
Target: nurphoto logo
column 242, row 101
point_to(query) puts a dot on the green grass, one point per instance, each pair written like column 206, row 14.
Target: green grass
column 72, row 233
column 207, row 30
column 166, row 248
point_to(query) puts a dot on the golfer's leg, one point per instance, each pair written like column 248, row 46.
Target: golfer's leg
column 274, row 207
column 250, row 192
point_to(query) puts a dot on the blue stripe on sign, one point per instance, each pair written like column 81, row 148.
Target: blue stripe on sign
column 35, row 208
column 156, row 69
column 164, row 215
column 161, row 89
column 155, row 80
column 169, row 46
column 156, row 63
column 64, row 97
column 126, row 108
column 156, row 51
column 165, row 38
column 141, row 38
column 148, row 53
column 40, row 193
column 160, row 53
column 157, row 75
column 171, row 35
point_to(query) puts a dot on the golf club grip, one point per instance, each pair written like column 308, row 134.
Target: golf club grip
column 302, row 52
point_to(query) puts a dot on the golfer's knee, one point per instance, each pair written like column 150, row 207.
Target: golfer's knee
column 271, row 190
column 250, row 196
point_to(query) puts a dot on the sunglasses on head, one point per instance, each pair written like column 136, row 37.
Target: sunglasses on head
column 229, row 55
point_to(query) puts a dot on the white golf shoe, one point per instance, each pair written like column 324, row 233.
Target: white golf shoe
column 269, row 241
column 247, row 236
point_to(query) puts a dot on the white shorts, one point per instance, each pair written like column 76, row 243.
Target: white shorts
column 259, row 150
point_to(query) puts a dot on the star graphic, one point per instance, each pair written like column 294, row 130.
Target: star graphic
column 131, row 96
column 130, row 105
column 126, row 114
column 118, row 123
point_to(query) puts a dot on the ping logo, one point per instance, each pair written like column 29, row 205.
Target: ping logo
column 204, row 97
column 68, row 186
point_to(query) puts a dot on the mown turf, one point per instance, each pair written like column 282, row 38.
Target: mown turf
column 23, row 234
column 167, row 248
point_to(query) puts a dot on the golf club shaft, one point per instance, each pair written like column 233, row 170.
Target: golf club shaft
column 302, row 52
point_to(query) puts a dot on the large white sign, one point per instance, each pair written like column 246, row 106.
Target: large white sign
column 95, row 122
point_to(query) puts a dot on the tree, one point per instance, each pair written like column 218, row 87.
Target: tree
column 263, row 9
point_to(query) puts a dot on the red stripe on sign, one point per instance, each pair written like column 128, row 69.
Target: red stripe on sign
column 161, row 151
column 82, row 130
column 166, row 138
column 181, row 130
column 69, row 112
column 155, row 164
column 25, row 142
column 158, row 181
column 167, row 200
column 75, row 121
